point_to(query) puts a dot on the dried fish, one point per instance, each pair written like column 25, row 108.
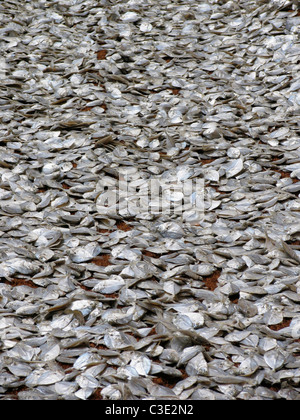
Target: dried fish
column 275, row 359
column 87, row 253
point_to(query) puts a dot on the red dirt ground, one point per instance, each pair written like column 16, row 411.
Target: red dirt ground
column 20, row 282
column 285, row 323
column 211, row 282
column 101, row 55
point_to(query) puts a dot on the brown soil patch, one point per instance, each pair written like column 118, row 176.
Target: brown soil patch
column 102, row 260
column 83, row 287
column 15, row 391
column 168, row 381
column 234, row 298
column 206, row 161
column 124, row 226
column 275, row 387
column 211, row 282
column 152, row 332
column 96, row 396
column 176, row 91
column 98, row 346
column 275, row 159
column 89, row 108
column 65, row 366
column 112, row 296
column 285, row 323
column 285, row 174
column 271, row 386
column 293, row 243
column 101, row 55
column 103, row 230
column 20, row 282
column 150, row 254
